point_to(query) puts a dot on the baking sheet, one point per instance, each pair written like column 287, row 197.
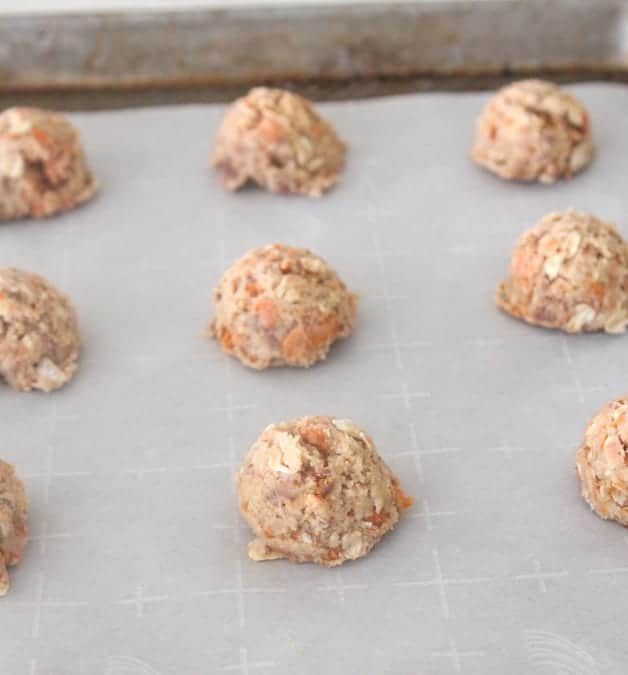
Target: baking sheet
column 137, row 562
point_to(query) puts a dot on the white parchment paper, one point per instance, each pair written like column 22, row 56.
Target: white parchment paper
column 137, row 562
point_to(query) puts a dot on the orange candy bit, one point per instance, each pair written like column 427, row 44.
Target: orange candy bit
column 303, row 343
column 317, row 437
column 376, row 519
column 331, row 555
column 521, row 264
column 270, row 130
column 597, row 290
column 294, row 344
column 286, row 265
column 226, row 339
column 252, row 288
column 40, row 136
column 267, row 312
column 319, row 335
column 403, row 500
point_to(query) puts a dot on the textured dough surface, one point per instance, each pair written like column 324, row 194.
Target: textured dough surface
column 42, row 167
column 315, row 490
column 13, row 529
column 39, row 340
column 569, row 272
column 602, row 461
column 279, row 305
column 277, row 140
column 532, row 130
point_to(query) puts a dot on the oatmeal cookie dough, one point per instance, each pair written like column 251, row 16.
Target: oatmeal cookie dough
column 569, row 272
column 277, row 140
column 42, row 166
column 532, row 130
column 280, row 305
column 13, row 529
column 602, row 462
column 39, row 340
column 315, row 490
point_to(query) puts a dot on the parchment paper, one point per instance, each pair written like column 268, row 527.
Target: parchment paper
column 137, row 563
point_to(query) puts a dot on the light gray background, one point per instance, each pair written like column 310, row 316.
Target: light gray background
column 137, row 563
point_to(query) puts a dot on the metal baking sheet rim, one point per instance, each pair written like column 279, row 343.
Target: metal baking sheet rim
column 221, row 46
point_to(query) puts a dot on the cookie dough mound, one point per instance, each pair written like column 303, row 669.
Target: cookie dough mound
column 280, row 305
column 569, row 272
column 39, row 340
column 315, row 490
column 42, row 167
column 277, row 140
column 602, row 462
column 13, row 530
column 532, row 130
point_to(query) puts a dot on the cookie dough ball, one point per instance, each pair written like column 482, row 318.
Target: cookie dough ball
column 13, row 530
column 602, row 462
column 42, row 167
column 39, row 340
column 315, row 490
column 280, row 305
column 570, row 272
column 532, row 130
column 277, row 140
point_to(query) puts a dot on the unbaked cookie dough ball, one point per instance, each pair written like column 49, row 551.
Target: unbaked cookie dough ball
column 277, row 140
column 532, row 130
column 570, row 272
column 602, row 462
column 13, row 530
column 315, row 490
column 42, row 166
column 280, row 305
column 39, row 340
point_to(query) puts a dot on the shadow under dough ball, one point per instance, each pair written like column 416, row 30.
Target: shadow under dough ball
column 570, row 272
column 277, row 140
column 13, row 528
column 533, row 130
column 39, row 339
column 315, row 490
column 42, row 167
column 602, row 462
column 279, row 305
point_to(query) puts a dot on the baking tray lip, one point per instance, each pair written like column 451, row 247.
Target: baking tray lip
column 213, row 47
column 265, row 7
